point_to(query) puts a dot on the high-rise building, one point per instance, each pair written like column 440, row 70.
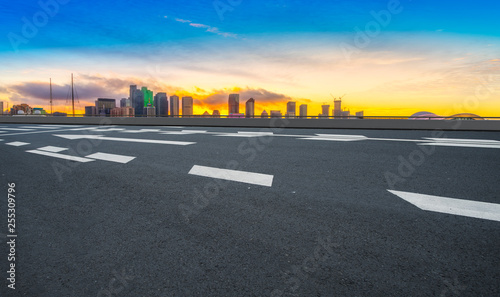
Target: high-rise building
column 249, row 108
column 104, row 106
column 303, row 110
column 264, row 114
column 138, row 99
column 337, row 108
column 133, row 88
column 290, row 109
column 1, row 108
column 148, row 96
column 187, row 106
column 174, row 106
column 123, row 102
column 233, row 103
column 325, row 110
column 161, row 104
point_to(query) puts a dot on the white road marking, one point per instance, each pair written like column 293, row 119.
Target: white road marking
column 111, row 157
column 62, row 126
column 462, row 144
column 3, row 131
column 240, row 135
column 257, row 132
column 233, row 175
column 478, row 143
column 102, row 137
column 109, row 130
column 194, row 131
column 461, row 207
column 17, row 129
column 61, row 156
column 337, row 137
column 38, row 127
column 53, row 149
column 455, row 140
column 17, row 143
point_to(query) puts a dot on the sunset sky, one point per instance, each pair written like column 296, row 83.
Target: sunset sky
column 389, row 57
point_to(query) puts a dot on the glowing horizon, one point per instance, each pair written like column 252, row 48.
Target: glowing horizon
column 389, row 57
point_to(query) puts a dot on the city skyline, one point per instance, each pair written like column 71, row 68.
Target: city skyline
column 390, row 57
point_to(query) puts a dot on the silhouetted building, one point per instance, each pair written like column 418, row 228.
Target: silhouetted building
column 249, row 108
column 360, row 114
column 174, row 106
column 234, row 103
column 303, row 110
column 133, row 88
column 161, row 104
column 138, row 102
column 264, row 114
column 276, row 114
column 187, row 106
column 104, row 106
column 205, row 114
column 337, row 108
column 90, row 111
column 290, row 109
column 325, row 110
column 216, row 114
column 1, row 108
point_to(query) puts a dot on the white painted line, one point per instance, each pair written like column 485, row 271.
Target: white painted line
column 101, row 137
column 53, row 149
column 109, row 130
column 132, row 131
column 478, row 145
column 17, row 143
column 258, row 133
column 82, row 129
column 61, row 156
column 239, row 135
column 150, row 130
column 461, row 207
column 233, row 175
column 194, row 131
column 177, row 133
column 458, row 140
column 111, row 157
column 17, row 129
column 332, row 139
column 62, row 126
column 38, row 127
column 3, row 131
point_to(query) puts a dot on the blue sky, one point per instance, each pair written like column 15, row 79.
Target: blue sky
column 288, row 48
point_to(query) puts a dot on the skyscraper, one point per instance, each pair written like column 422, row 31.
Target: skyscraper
column 161, row 104
column 133, row 88
column 148, row 96
column 337, row 108
column 290, row 109
column 303, row 111
column 249, row 108
column 123, row 102
column 138, row 99
column 187, row 106
column 174, row 106
column 234, row 103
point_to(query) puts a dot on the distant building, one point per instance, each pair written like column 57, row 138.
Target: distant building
column 234, row 103
column 236, row 116
column 123, row 102
column 122, row 112
column 303, row 111
column 187, row 106
column 90, row 111
column 216, row 114
column 60, row 114
column 337, row 108
column 1, row 107
column 205, row 114
column 25, row 108
column 346, row 114
column 249, row 108
column 325, row 110
column 161, row 104
column 290, row 109
column 104, row 105
column 138, row 102
column 360, row 114
column 276, row 114
column 174, row 106
column 150, row 110
column 264, row 114
column 133, row 88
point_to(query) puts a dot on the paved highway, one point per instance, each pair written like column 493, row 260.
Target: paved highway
column 191, row 211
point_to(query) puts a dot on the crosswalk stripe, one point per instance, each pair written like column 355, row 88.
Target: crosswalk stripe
column 233, row 175
column 61, row 156
column 111, row 157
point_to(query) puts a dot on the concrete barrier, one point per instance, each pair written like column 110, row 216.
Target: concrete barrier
column 380, row 124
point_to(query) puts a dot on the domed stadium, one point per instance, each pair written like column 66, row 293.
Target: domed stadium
column 465, row 116
column 425, row 115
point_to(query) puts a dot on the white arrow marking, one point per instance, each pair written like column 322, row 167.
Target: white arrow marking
column 61, row 156
column 111, row 157
column 102, row 137
column 233, row 175
column 461, row 207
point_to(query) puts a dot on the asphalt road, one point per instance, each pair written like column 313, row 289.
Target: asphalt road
column 326, row 226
